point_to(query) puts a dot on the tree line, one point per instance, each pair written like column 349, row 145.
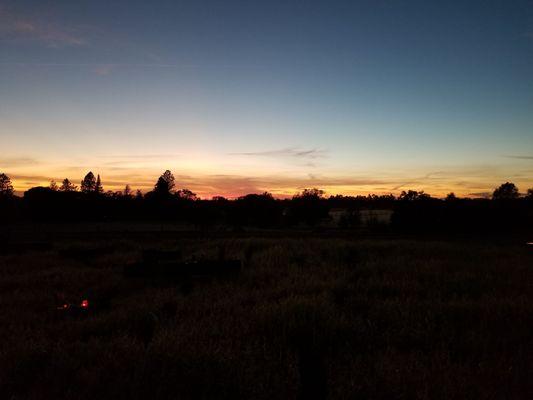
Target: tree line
column 412, row 210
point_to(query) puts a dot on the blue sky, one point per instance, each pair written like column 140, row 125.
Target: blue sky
column 243, row 96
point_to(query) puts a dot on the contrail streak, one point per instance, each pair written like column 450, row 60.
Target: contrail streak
column 15, row 64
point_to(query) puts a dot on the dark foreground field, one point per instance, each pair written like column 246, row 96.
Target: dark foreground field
column 307, row 318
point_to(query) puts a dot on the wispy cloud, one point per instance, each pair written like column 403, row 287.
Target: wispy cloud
column 124, row 160
column 17, row 162
column 22, row 28
column 519, row 157
column 98, row 68
column 417, row 180
column 104, row 69
column 287, row 152
column 31, row 178
column 141, row 156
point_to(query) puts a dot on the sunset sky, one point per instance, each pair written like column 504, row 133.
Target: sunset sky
column 236, row 97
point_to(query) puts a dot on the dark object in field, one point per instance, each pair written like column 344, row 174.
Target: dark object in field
column 86, row 254
column 144, row 328
column 184, row 270
column 20, row 248
column 163, row 264
column 156, row 256
column 312, row 371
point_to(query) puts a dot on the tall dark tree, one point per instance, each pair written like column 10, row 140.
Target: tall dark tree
column 88, row 184
column 67, row 186
column 506, row 191
column 165, row 183
column 98, row 188
column 6, row 188
column 529, row 194
column 127, row 191
column 53, row 186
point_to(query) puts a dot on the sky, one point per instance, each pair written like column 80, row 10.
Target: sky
column 236, row 97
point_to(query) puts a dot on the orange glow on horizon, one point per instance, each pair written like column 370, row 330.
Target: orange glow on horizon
column 208, row 191
column 207, row 181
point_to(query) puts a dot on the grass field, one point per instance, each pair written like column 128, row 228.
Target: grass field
column 317, row 317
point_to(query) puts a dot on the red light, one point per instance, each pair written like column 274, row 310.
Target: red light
column 85, row 303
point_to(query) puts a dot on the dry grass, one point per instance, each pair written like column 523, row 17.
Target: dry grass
column 381, row 319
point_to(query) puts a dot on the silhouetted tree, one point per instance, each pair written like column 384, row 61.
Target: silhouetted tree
column 165, row 184
column 372, row 201
column 506, row 191
column 98, row 188
column 529, row 194
column 6, row 188
column 66, row 186
column 309, row 206
column 139, row 194
column 256, row 210
column 88, row 184
column 311, row 193
column 53, row 186
column 127, row 191
column 417, row 211
column 451, row 197
column 412, row 195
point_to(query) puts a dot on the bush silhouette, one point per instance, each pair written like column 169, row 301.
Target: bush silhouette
column 506, row 191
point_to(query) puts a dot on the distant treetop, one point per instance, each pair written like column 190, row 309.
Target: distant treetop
column 451, row 196
column 98, row 188
column 67, row 186
column 186, row 194
column 412, row 195
column 310, row 194
column 88, row 184
column 506, row 191
column 165, row 184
